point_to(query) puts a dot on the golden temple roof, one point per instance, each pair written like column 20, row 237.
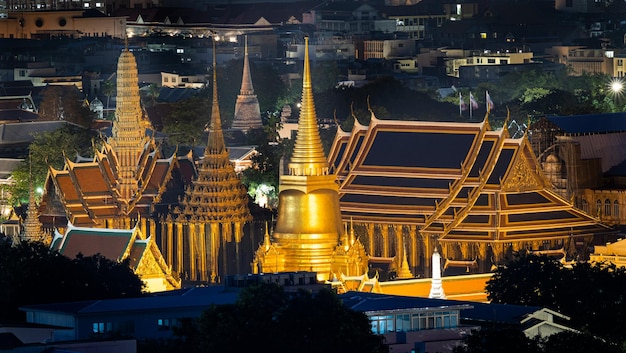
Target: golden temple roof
column 459, row 181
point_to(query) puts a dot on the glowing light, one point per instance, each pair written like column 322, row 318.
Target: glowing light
column 616, row 87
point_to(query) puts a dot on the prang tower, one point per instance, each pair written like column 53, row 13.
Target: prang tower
column 308, row 234
column 247, row 111
column 214, row 209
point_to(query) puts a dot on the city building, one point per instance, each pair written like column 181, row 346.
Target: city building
column 61, row 24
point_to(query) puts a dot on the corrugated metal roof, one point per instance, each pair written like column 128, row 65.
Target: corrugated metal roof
column 186, row 298
column 591, row 123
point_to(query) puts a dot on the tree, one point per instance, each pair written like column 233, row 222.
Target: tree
column 108, row 89
column 65, row 103
column 511, row 339
column 49, row 149
column 592, row 295
column 267, row 318
column 498, row 340
column 186, row 123
column 31, row 273
column 578, row 342
column 532, row 280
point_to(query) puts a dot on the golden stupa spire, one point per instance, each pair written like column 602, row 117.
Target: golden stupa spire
column 308, row 154
column 215, row 142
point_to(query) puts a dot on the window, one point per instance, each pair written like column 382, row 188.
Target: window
column 607, row 207
column 483, row 35
column 102, row 327
column 491, row 61
column 615, row 209
column 585, row 206
column 163, row 324
column 620, row 62
column 598, row 207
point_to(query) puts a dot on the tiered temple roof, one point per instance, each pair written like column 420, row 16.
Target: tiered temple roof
column 127, row 177
column 459, row 182
column 118, row 245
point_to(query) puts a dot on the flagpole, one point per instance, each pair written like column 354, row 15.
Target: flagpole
column 460, row 104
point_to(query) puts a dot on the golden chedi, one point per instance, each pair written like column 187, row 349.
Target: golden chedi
column 309, row 225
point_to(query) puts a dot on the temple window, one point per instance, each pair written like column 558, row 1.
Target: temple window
column 585, row 206
column 598, row 207
column 607, row 207
column 616, row 209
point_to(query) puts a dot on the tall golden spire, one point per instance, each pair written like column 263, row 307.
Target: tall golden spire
column 128, row 134
column 215, row 143
column 309, row 224
column 308, row 154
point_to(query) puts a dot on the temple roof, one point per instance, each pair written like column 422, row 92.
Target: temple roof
column 461, row 181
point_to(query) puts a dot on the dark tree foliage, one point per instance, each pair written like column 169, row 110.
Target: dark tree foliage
column 399, row 102
column 592, row 295
column 511, row 339
column 188, row 119
column 530, row 280
column 266, row 318
column 65, row 103
column 574, row 342
column 498, row 340
column 31, row 273
column 49, row 149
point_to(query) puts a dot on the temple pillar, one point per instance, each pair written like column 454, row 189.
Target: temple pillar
column 169, row 240
column 203, row 250
column 397, row 229
column 465, row 251
column 384, row 232
column 227, row 236
column 369, row 228
column 238, row 228
column 215, row 244
column 179, row 250
column 482, row 257
column 428, row 253
column 191, row 227
column 413, row 249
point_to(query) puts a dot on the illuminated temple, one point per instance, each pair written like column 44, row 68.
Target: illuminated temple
column 387, row 196
column 476, row 193
column 309, row 234
column 190, row 212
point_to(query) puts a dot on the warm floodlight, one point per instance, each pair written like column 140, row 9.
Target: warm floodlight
column 616, row 87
